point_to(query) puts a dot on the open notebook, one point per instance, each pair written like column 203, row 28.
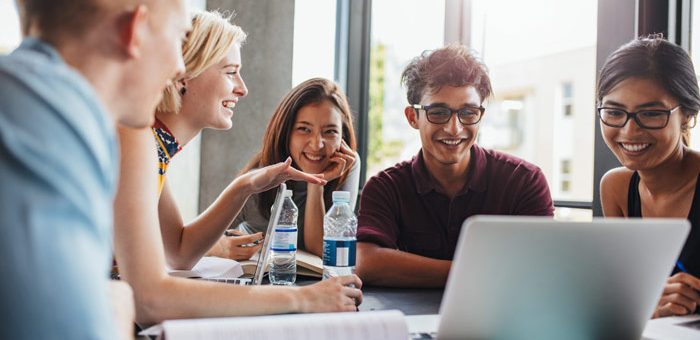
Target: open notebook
column 252, row 271
column 307, row 265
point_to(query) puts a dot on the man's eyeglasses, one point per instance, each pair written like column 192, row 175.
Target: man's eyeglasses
column 441, row 114
column 646, row 119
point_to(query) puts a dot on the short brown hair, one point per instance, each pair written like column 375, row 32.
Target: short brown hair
column 56, row 19
column 453, row 65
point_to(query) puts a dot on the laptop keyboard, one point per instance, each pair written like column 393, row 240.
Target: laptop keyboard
column 236, row 281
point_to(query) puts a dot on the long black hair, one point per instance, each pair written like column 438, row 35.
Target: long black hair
column 652, row 57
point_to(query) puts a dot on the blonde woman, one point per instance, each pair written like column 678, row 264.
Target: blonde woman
column 204, row 98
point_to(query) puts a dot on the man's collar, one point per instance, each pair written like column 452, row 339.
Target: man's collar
column 36, row 44
column 476, row 180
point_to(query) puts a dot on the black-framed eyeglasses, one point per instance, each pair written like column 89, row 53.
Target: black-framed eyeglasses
column 441, row 114
column 646, row 119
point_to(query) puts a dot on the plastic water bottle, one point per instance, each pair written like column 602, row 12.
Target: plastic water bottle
column 339, row 230
column 283, row 270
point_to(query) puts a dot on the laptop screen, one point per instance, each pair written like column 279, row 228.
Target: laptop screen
column 265, row 250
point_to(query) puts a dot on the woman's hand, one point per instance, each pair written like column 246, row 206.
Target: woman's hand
column 341, row 162
column 680, row 296
column 332, row 295
column 266, row 178
column 238, row 246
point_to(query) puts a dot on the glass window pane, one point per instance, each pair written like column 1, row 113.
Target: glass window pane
column 314, row 40
column 573, row 214
column 399, row 33
column 9, row 26
column 541, row 55
column 695, row 55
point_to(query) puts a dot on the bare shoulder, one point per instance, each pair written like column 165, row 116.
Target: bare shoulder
column 613, row 191
column 616, row 178
column 694, row 161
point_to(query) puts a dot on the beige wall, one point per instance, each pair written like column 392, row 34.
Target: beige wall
column 267, row 70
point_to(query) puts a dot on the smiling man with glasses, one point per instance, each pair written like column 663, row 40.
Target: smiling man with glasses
column 411, row 214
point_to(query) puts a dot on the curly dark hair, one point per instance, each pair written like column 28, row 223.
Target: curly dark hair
column 453, row 65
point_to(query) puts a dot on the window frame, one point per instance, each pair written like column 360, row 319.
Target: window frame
column 618, row 22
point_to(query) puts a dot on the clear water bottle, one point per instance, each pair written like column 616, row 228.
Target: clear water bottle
column 339, row 230
column 283, row 270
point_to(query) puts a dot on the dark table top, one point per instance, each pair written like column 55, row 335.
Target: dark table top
column 411, row 301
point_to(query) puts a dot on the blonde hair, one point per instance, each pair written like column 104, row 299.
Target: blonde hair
column 211, row 37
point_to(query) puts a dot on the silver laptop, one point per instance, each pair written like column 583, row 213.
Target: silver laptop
column 537, row 278
column 264, row 252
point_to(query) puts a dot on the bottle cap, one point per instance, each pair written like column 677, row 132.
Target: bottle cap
column 288, row 193
column 341, row 196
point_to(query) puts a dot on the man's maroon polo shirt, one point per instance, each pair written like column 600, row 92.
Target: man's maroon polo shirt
column 401, row 209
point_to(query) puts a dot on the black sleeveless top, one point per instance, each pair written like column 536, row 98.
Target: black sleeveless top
column 690, row 255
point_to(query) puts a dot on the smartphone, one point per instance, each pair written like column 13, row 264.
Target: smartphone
column 252, row 244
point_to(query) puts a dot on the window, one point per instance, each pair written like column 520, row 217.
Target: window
column 9, row 26
column 314, row 40
column 695, row 55
column 565, row 176
column 506, row 123
column 399, row 33
column 567, row 99
column 544, row 83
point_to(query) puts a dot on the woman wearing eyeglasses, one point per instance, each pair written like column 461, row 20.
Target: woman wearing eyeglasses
column 648, row 99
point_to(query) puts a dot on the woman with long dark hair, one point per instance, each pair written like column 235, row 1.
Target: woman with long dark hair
column 312, row 125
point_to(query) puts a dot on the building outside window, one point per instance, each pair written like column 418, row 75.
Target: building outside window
column 400, row 32
column 9, row 26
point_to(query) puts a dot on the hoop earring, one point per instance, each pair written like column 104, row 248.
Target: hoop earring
column 183, row 91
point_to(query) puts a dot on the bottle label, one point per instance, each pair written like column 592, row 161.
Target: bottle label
column 285, row 238
column 339, row 253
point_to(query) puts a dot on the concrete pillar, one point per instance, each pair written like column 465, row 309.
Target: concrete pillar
column 267, row 71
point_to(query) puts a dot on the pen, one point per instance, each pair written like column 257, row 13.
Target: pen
column 680, row 266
